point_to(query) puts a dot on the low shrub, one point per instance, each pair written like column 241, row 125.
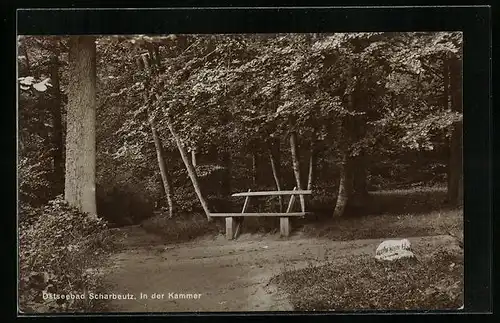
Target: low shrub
column 35, row 188
column 60, row 252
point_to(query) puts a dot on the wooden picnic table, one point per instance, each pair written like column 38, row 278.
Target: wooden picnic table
column 234, row 220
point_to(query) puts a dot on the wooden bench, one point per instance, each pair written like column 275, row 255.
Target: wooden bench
column 234, row 220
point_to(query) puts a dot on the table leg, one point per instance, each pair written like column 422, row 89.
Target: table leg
column 230, row 228
column 239, row 220
column 284, row 226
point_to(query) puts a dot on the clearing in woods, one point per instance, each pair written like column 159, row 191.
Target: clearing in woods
column 229, row 275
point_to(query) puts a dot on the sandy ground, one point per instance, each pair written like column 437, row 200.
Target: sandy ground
column 229, row 275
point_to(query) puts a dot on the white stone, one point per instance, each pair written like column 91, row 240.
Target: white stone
column 394, row 249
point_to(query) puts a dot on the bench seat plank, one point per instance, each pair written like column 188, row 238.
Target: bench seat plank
column 260, row 214
column 274, row 193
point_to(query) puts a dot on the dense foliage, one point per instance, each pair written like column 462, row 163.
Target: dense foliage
column 61, row 251
column 232, row 98
column 182, row 121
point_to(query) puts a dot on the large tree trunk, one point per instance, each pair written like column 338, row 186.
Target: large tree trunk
column 160, row 155
column 274, row 157
column 344, row 187
column 190, row 169
column 296, row 166
column 455, row 179
column 57, row 130
column 79, row 188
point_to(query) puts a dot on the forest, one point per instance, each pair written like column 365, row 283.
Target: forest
column 160, row 130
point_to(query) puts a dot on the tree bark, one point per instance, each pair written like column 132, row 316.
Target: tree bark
column 296, row 165
column 344, row 188
column 193, row 157
column 160, row 155
column 57, row 129
column 275, row 166
column 312, row 165
column 345, row 136
column 190, row 169
column 455, row 179
column 79, row 188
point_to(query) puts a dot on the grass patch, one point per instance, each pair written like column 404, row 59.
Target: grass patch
column 389, row 214
column 387, row 226
column 384, row 214
column 434, row 281
column 182, row 229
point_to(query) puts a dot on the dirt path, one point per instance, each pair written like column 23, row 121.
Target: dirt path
column 229, row 275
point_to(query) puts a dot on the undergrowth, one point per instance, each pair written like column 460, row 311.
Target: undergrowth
column 433, row 281
column 61, row 251
column 386, row 214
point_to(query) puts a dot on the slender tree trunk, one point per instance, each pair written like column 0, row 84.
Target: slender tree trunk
column 254, row 169
column 160, row 155
column 190, row 169
column 57, row 130
column 143, row 63
column 296, row 166
column 193, row 157
column 455, row 180
column 79, row 188
column 275, row 166
column 446, row 82
column 345, row 136
column 312, row 165
column 344, row 188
